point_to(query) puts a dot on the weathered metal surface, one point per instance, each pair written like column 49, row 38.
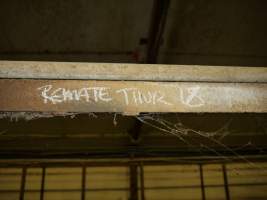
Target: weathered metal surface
column 142, row 72
column 130, row 97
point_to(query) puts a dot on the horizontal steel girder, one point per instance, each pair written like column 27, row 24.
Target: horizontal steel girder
column 130, row 97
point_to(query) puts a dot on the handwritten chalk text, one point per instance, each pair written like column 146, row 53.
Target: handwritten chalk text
column 190, row 97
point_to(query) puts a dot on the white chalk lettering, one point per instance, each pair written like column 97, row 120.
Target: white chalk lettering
column 59, row 95
column 125, row 94
column 189, row 96
column 103, row 94
column 140, row 97
column 192, row 99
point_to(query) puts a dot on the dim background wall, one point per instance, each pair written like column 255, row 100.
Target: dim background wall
column 209, row 32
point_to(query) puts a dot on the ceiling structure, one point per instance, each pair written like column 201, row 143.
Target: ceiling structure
column 143, row 147
column 170, row 32
column 194, row 32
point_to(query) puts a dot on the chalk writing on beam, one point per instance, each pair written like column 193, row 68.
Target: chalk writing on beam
column 88, row 94
column 192, row 99
column 129, row 96
column 149, row 97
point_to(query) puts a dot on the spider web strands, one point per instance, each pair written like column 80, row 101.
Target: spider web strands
column 179, row 130
column 210, row 137
column 179, row 126
column 182, row 130
column 171, row 131
column 164, row 130
column 186, row 142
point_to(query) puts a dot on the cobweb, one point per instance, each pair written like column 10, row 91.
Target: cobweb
column 182, row 132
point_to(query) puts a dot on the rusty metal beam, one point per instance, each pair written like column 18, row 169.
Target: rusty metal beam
column 131, row 72
column 130, row 97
